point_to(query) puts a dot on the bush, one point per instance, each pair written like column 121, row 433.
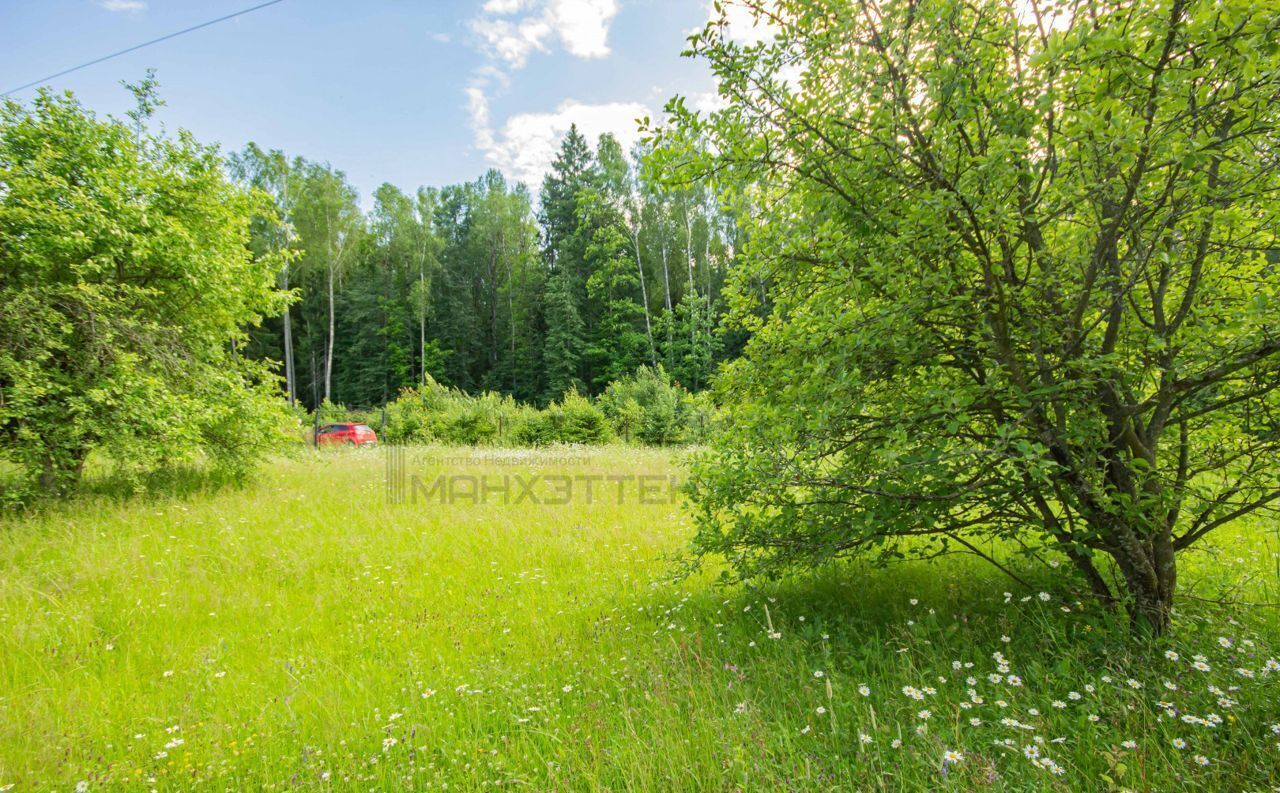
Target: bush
column 125, row 289
column 434, row 413
column 572, row 420
column 651, row 408
column 647, row 407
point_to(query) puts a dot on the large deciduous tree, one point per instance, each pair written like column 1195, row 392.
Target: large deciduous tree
column 126, row 284
column 1018, row 255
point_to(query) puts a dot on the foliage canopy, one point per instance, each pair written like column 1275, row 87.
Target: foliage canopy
column 1018, row 254
column 125, row 288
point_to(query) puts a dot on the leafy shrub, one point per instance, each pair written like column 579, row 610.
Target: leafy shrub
column 434, row 413
column 125, row 288
column 651, row 408
column 572, row 420
column 647, row 407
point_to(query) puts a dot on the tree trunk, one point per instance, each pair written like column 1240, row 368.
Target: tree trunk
column 1146, row 560
column 290, row 378
column 1151, row 609
column 58, row 476
column 422, row 325
column 328, row 356
column 644, row 298
column 666, row 287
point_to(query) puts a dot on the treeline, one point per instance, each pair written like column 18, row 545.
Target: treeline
column 474, row 287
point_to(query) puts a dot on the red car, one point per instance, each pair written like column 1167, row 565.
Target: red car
column 346, row 434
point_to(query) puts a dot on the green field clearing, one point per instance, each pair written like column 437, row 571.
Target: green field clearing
column 305, row 633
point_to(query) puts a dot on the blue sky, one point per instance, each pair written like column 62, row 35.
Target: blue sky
column 414, row 93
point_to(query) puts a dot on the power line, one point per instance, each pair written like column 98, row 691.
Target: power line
column 140, row 46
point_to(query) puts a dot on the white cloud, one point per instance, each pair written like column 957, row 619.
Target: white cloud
column 123, row 5
column 527, row 143
column 512, row 30
column 741, row 23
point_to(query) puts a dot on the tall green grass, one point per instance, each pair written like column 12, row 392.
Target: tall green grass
column 306, row 633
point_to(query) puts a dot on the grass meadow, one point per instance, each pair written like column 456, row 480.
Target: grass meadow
column 308, row 633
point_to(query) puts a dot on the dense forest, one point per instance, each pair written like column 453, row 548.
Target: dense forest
column 481, row 287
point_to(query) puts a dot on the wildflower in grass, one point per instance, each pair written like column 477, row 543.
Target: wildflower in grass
column 82, row 786
column 818, row 673
column 896, row 743
column 952, row 756
column 1224, row 642
column 1245, row 673
column 1201, row 760
column 429, row 693
column 1059, row 704
column 1275, row 728
column 741, row 707
column 1088, row 687
column 1131, row 745
column 1178, row 743
column 1045, row 596
column 994, row 678
column 388, row 742
column 864, row 690
column 930, row 690
column 1014, row 681
column 1031, row 751
column 1171, row 655
column 1033, row 711
column 913, row 692
column 975, row 722
column 807, row 729
column 1073, row 695
column 567, row 689
column 915, row 602
column 1170, row 686
column 924, row 715
column 1272, row 665
column 775, row 634
column 1095, row 718
column 862, row 736
column 1105, row 678
column 168, row 673
column 821, row 710
column 1134, row 684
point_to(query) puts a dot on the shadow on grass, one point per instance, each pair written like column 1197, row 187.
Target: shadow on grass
column 926, row 613
column 103, row 481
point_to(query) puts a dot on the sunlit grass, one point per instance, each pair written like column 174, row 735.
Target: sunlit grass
column 304, row 632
